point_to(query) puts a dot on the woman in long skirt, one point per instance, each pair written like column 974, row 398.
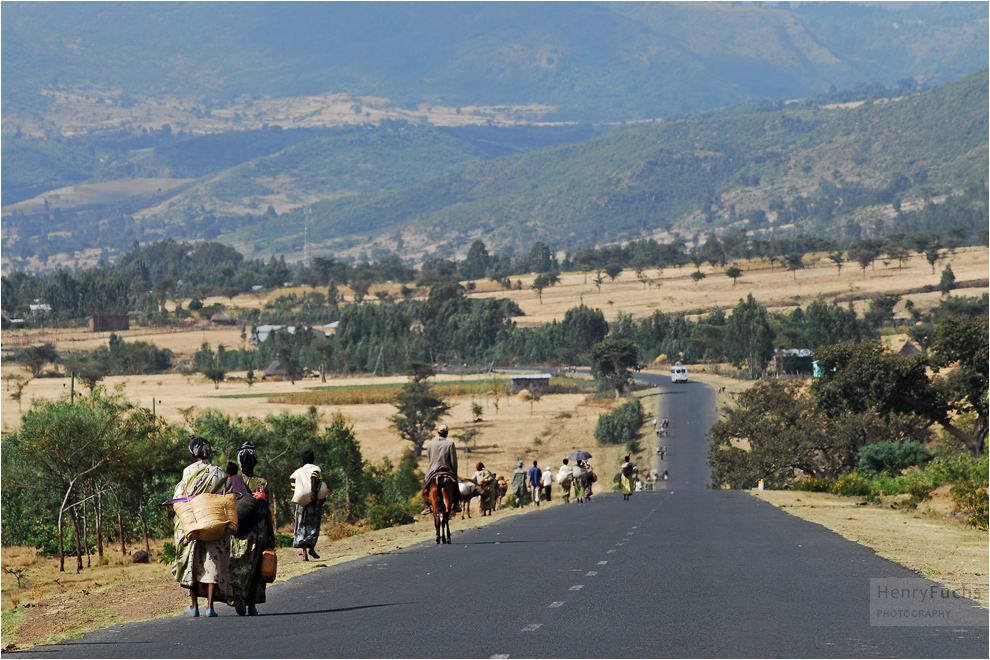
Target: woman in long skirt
column 308, row 518
column 245, row 553
column 201, row 566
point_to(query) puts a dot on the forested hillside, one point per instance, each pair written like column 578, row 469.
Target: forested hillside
column 583, row 61
column 101, row 151
column 774, row 169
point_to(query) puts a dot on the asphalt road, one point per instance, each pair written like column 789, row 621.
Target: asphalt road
column 678, row 572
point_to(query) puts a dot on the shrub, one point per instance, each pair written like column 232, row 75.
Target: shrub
column 892, row 457
column 620, row 426
column 853, row 485
column 813, row 485
column 969, row 479
column 391, row 514
column 168, row 553
column 283, row 540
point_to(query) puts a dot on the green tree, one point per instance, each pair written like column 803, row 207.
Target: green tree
column 861, row 377
column 837, row 259
column 477, row 261
column 544, row 280
column 795, row 262
column 214, row 373
column 586, row 260
column 540, row 259
column 36, row 357
column 613, row 270
column 733, row 272
column 788, row 434
column 66, row 443
column 963, row 341
column 346, row 476
column 419, row 407
column 611, row 362
column 830, row 324
column 948, row 281
column 749, row 337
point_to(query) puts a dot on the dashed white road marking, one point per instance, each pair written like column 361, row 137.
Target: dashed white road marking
column 591, row 574
column 556, row 603
column 612, row 551
column 531, row 627
column 602, row 563
column 499, row 655
column 576, row 587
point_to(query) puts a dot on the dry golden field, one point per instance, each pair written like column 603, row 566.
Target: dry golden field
column 676, row 292
column 546, row 430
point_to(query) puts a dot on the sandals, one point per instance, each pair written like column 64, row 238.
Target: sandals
column 211, row 613
column 190, row 611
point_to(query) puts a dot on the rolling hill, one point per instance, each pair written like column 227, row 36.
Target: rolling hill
column 416, row 127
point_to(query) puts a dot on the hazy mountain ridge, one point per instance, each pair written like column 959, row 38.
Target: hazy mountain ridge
column 652, row 179
column 594, row 61
column 374, row 177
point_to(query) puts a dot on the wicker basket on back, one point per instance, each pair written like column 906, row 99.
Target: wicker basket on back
column 207, row 517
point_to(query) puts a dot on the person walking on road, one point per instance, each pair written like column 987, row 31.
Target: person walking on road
column 626, row 471
column 565, row 476
column 592, row 478
column 547, row 483
column 306, row 531
column 519, row 485
column 535, row 482
column 246, row 548
column 202, row 567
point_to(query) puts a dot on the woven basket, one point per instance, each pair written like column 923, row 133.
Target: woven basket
column 207, row 517
column 268, row 566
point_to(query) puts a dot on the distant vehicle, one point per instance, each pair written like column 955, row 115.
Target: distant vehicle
column 678, row 375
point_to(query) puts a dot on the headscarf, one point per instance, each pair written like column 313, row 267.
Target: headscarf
column 247, row 458
column 479, row 466
column 520, row 463
column 200, row 447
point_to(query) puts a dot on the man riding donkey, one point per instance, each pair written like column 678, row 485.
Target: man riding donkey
column 442, row 455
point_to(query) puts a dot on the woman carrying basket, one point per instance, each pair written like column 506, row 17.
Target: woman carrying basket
column 201, row 566
column 248, row 545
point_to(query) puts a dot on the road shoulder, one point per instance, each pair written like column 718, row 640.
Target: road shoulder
column 940, row 549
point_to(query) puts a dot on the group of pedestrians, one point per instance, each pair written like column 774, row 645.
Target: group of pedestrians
column 229, row 568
